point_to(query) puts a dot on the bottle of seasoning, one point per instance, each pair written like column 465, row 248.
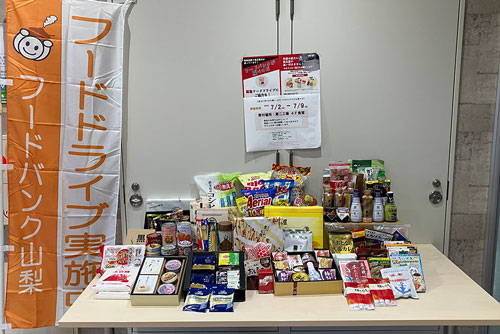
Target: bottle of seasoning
column 326, row 178
column 378, row 207
column 327, row 197
column 338, row 198
column 348, row 194
column 391, row 211
column 356, row 216
column 367, row 206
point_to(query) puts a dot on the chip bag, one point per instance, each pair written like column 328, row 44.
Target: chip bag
column 253, row 181
column 298, row 174
column 283, row 191
column 257, row 199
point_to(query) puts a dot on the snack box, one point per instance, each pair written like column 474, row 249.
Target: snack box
column 239, row 294
column 300, row 217
column 150, row 297
column 309, row 287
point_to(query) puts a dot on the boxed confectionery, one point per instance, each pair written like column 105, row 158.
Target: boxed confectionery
column 223, row 268
column 159, row 282
column 305, row 273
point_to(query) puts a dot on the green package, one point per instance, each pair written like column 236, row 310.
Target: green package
column 226, row 189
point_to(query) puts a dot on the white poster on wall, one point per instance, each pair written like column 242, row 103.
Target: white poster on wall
column 281, row 102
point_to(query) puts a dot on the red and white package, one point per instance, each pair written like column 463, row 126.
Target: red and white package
column 258, row 251
column 355, row 270
column 116, row 280
column 358, row 296
column 339, row 175
column 126, row 256
column 381, row 291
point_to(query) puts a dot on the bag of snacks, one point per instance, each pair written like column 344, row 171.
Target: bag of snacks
column 298, row 174
column 257, row 200
column 253, row 181
column 283, row 190
column 219, row 189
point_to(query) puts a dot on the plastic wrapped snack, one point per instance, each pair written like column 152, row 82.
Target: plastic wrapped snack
column 226, row 189
column 219, row 189
column 283, row 190
column 206, row 184
column 257, row 200
column 298, row 174
column 253, row 181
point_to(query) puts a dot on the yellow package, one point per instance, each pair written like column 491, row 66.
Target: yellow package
column 252, row 181
column 300, row 217
column 242, row 205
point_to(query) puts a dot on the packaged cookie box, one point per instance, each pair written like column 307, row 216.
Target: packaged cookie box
column 238, row 263
column 290, row 287
column 159, row 282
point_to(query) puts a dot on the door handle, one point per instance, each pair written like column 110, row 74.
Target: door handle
column 435, row 197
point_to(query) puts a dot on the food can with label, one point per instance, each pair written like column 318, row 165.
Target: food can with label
column 185, row 247
column 169, row 233
column 184, row 231
column 168, row 250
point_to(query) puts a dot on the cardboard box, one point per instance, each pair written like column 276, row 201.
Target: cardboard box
column 299, row 217
column 148, row 299
column 137, row 236
column 310, row 287
column 239, row 294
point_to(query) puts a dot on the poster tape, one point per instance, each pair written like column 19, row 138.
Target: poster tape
column 6, row 166
column 7, row 248
column 5, row 326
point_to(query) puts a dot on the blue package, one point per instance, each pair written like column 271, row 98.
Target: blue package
column 221, row 300
column 201, row 278
column 257, row 200
column 396, row 236
column 197, row 300
column 283, row 193
column 204, row 261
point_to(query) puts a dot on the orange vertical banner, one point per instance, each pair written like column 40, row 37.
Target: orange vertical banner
column 33, row 128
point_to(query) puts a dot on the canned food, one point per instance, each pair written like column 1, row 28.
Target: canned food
column 168, row 233
column 153, row 238
column 168, row 249
column 185, row 247
column 184, row 231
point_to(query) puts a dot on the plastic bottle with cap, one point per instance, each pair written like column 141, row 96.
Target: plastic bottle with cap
column 356, row 216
